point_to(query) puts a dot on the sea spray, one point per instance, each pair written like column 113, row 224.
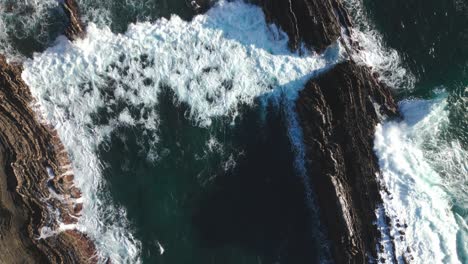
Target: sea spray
column 27, row 26
column 421, row 180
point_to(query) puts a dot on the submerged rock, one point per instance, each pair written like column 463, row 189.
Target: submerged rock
column 200, row 6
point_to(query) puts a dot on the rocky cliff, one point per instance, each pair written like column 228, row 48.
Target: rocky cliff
column 75, row 28
column 39, row 203
column 39, row 200
column 338, row 112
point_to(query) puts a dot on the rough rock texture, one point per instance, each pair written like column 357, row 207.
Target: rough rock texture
column 37, row 188
column 39, row 203
column 75, row 28
column 315, row 23
column 338, row 112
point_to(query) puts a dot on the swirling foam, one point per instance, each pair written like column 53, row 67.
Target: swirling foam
column 373, row 51
column 224, row 58
column 22, row 20
column 425, row 176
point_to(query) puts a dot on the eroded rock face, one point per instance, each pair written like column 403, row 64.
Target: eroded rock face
column 38, row 193
column 338, row 112
column 315, row 23
column 75, row 28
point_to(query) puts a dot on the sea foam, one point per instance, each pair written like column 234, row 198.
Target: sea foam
column 86, row 89
column 424, row 176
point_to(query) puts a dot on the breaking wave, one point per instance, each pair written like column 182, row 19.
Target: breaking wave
column 216, row 62
column 373, row 51
column 424, row 175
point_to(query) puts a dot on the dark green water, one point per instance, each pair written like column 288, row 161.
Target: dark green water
column 432, row 38
column 192, row 199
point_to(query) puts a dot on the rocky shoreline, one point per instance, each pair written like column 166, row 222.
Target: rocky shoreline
column 317, row 24
column 39, row 178
column 338, row 113
column 39, row 203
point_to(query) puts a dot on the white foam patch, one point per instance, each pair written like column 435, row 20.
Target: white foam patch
column 373, row 50
column 425, row 176
column 227, row 57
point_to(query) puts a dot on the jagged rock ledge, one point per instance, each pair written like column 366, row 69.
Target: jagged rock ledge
column 338, row 112
column 39, row 203
column 39, row 181
column 317, row 24
column 75, row 29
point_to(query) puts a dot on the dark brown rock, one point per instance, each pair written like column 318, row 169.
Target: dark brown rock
column 338, row 112
column 75, row 28
column 315, row 23
column 33, row 167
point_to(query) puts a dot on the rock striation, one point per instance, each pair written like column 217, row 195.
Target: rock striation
column 75, row 28
column 338, row 113
column 39, row 204
column 317, row 24
column 38, row 194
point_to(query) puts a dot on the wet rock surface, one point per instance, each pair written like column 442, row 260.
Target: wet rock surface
column 37, row 190
column 338, row 112
column 317, row 24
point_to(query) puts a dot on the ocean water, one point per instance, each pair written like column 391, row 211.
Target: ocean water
column 186, row 146
column 155, row 118
column 423, row 157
